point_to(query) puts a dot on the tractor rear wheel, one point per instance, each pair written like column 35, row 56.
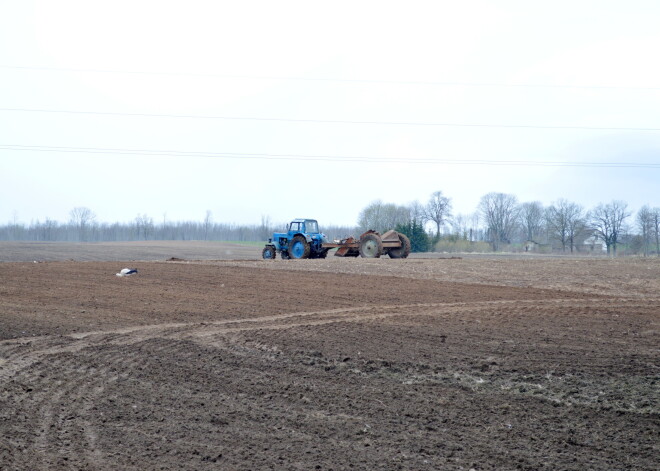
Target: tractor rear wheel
column 404, row 250
column 268, row 253
column 299, row 247
column 371, row 246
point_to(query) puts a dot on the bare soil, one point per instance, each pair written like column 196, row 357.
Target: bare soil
column 223, row 361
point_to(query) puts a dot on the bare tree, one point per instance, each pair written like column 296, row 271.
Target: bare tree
column 208, row 222
column 557, row 224
column 145, row 225
column 500, row 212
column 265, row 227
column 49, row 228
column 645, row 225
column 461, row 225
column 476, row 233
column 532, row 219
column 417, row 212
column 437, row 210
column 577, row 225
column 566, row 222
column 607, row 221
column 82, row 218
column 656, row 229
column 17, row 228
column 381, row 216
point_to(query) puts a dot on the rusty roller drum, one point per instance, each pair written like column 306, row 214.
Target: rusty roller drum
column 371, row 245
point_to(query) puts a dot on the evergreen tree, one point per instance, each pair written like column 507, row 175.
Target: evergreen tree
column 419, row 239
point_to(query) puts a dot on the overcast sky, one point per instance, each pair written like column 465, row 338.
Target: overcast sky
column 316, row 109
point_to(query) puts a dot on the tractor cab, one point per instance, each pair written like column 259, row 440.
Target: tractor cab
column 304, row 226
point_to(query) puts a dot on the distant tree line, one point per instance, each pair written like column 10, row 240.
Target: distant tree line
column 83, row 226
column 501, row 222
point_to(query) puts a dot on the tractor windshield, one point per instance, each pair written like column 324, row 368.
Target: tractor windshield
column 311, row 227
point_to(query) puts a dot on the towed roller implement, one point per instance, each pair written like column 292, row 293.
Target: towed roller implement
column 372, row 245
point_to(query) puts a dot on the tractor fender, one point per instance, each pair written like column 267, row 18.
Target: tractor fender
column 306, row 236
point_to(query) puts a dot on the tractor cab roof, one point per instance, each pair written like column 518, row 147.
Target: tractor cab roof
column 303, row 220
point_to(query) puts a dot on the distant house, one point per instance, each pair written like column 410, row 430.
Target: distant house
column 536, row 247
column 594, row 244
column 531, row 246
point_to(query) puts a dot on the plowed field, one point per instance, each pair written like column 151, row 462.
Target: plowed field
column 473, row 363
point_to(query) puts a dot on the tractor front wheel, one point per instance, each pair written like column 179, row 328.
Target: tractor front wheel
column 299, row 247
column 268, row 253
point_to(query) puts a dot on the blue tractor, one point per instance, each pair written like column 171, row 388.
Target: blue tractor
column 301, row 240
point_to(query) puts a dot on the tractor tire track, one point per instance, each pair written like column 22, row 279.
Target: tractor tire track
column 19, row 354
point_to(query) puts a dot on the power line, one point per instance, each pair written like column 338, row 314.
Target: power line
column 330, row 121
column 324, row 158
column 338, row 80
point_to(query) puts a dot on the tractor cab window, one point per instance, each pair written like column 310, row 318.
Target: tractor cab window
column 312, row 227
column 294, row 227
